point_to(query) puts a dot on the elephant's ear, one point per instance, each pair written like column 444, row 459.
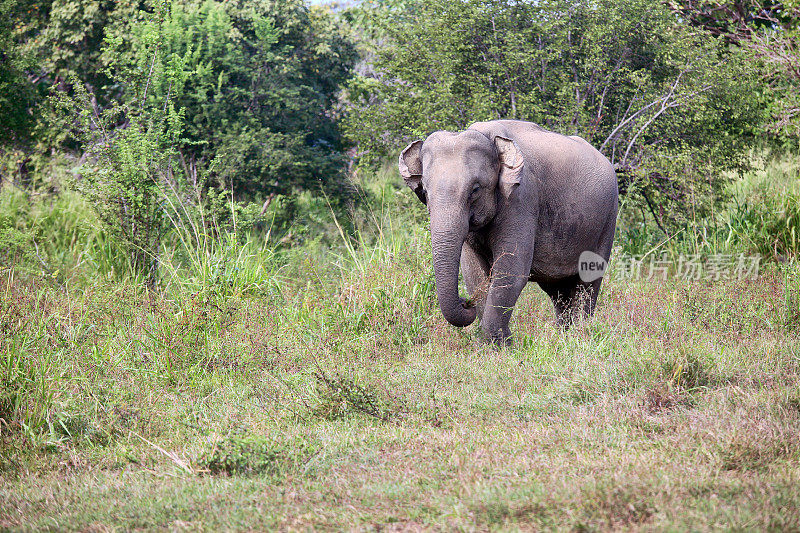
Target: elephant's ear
column 411, row 169
column 511, row 163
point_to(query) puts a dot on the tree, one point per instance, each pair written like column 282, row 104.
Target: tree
column 66, row 38
column 18, row 97
column 128, row 147
column 16, row 92
column 771, row 31
column 48, row 43
column 257, row 82
column 669, row 106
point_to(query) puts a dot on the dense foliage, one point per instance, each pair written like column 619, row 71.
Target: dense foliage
column 256, row 81
column 211, row 115
column 668, row 105
column 15, row 90
column 770, row 31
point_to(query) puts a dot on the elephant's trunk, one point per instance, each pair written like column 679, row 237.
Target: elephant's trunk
column 448, row 232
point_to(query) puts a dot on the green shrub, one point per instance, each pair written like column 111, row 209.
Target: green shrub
column 242, row 452
column 688, row 370
column 17, row 235
column 341, row 396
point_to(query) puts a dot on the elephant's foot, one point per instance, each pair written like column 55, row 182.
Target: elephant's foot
column 499, row 337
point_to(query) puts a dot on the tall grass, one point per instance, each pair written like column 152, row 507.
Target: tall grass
column 61, row 237
column 762, row 218
column 196, row 260
column 325, row 376
column 28, row 373
column 58, row 236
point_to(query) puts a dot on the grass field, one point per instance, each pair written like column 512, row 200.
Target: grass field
column 317, row 386
column 327, row 392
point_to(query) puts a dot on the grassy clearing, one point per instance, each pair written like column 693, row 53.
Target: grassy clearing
column 267, row 387
column 340, row 398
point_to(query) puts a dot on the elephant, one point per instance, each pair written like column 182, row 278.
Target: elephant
column 512, row 202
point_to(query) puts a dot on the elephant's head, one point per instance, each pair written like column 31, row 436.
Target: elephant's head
column 461, row 177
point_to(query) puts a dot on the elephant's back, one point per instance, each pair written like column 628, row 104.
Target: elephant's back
column 577, row 196
column 552, row 156
column 576, row 186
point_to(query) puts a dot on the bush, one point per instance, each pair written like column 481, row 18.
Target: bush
column 341, row 396
column 244, row 453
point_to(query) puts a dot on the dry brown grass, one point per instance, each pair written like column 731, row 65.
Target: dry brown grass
column 348, row 403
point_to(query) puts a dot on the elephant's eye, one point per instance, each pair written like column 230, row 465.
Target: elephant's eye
column 475, row 190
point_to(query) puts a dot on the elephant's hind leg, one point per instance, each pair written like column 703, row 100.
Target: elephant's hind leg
column 559, row 292
column 573, row 299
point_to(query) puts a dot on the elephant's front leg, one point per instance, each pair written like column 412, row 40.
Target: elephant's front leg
column 475, row 270
column 509, row 274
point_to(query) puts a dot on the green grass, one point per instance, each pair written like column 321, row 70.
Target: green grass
column 762, row 217
column 344, row 400
column 264, row 387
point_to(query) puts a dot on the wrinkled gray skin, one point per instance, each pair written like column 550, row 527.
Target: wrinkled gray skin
column 512, row 202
